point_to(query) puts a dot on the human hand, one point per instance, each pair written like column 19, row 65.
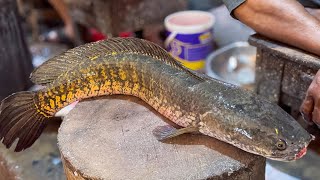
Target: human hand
column 310, row 107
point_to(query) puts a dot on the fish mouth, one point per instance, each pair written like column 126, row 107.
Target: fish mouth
column 301, row 153
column 288, row 157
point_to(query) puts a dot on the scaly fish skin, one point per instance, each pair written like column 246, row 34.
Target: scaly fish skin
column 136, row 75
column 253, row 124
column 139, row 68
column 220, row 110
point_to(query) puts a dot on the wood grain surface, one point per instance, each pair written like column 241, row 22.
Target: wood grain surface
column 111, row 138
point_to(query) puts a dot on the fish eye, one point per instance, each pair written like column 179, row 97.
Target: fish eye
column 281, row 145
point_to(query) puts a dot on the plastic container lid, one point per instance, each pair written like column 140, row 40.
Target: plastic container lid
column 189, row 22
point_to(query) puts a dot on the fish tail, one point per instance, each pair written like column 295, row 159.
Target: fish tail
column 20, row 118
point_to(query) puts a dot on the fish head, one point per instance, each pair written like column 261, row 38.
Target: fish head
column 257, row 126
column 284, row 139
column 279, row 143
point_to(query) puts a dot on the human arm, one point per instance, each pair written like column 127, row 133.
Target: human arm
column 286, row 21
column 63, row 11
column 310, row 107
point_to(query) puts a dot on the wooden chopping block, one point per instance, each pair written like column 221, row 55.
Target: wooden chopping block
column 111, row 138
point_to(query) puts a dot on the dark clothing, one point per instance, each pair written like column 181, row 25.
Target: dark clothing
column 310, row 3
column 233, row 4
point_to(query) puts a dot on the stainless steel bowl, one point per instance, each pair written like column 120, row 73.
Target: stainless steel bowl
column 234, row 63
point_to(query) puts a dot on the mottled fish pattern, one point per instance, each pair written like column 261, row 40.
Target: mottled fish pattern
column 140, row 68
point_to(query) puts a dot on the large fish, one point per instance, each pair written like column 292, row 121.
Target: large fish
column 140, row 68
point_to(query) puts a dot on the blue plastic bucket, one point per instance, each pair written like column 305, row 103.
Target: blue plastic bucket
column 189, row 37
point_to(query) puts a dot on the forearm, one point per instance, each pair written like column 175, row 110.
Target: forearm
column 286, row 21
column 62, row 10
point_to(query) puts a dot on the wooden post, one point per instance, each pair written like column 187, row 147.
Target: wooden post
column 111, row 138
column 283, row 73
column 15, row 59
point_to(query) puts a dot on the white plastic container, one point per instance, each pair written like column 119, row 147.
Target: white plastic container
column 189, row 37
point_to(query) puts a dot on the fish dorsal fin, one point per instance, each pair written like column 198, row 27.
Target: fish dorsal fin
column 67, row 61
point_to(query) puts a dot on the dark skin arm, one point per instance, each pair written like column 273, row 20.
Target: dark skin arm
column 286, row 21
column 310, row 107
column 289, row 22
column 63, row 11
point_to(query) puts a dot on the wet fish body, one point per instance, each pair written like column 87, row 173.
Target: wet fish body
column 139, row 68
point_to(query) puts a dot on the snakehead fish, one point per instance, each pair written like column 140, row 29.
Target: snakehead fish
column 140, row 68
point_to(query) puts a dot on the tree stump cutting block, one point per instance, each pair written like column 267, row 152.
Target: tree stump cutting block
column 111, row 138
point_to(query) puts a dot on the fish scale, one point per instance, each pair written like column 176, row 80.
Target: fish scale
column 140, row 68
column 149, row 90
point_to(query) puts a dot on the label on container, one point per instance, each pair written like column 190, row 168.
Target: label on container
column 191, row 49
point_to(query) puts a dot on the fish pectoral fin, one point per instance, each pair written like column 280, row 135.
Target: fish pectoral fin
column 167, row 131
